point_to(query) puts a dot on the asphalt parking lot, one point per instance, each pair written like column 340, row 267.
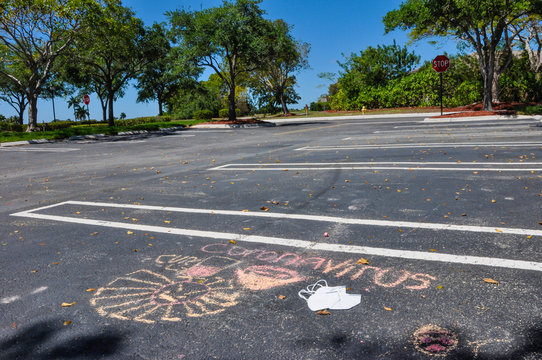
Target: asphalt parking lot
column 195, row 244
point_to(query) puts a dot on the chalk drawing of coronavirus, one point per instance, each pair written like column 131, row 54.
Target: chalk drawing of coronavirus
column 147, row 296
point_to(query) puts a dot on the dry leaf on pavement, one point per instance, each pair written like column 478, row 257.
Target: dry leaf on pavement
column 491, row 281
column 323, row 312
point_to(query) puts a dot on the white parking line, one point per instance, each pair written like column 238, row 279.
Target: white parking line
column 404, row 254
column 413, row 146
column 387, row 165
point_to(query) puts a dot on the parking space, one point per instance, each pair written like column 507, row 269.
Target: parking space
column 193, row 247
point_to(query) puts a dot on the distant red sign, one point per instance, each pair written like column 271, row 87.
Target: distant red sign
column 441, row 63
column 86, row 99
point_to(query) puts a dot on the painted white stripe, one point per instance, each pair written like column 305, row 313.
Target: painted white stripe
column 402, row 254
column 415, row 146
column 394, row 163
column 321, row 218
column 372, row 168
column 416, row 166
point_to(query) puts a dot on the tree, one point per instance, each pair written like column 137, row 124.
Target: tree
column 286, row 57
column 33, row 33
column 229, row 39
column 14, row 96
column 362, row 75
column 113, row 50
column 165, row 75
column 529, row 33
column 483, row 24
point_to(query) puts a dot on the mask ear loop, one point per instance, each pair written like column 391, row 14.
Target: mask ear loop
column 305, row 294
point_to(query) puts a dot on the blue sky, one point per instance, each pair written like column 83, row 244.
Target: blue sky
column 332, row 28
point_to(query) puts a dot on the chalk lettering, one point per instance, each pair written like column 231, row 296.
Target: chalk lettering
column 380, row 274
column 425, row 280
column 295, row 258
column 362, row 271
column 215, row 248
column 267, row 256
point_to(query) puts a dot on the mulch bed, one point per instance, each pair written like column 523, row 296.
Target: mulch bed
column 236, row 122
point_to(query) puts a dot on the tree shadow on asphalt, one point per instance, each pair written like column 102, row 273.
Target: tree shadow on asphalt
column 304, row 123
column 40, row 341
column 342, row 345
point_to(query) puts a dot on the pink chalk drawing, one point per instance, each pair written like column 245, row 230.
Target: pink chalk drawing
column 147, row 296
column 263, row 277
column 350, row 269
column 191, row 286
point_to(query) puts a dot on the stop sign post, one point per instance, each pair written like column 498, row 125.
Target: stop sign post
column 86, row 100
column 440, row 64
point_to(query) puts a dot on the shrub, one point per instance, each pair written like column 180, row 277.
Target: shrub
column 203, row 115
column 225, row 113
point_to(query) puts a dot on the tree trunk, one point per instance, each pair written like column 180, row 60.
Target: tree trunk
column 111, row 118
column 32, row 113
column 488, row 74
column 495, row 89
column 231, row 100
column 160, row 108
column 283, row 103
column 22, row 107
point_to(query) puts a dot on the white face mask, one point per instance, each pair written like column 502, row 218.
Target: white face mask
column 319, row 296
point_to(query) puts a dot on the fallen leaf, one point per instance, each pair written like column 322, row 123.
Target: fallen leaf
column 135, row 250
column 246, row 229
column 65, row 304
column 440, row 287
column 490, row 281
column 499, row 231
column 129, row 232
column 90, row 290
column 233, row 242
column 529, row 236
column 323, row 312
column 55, row 263
column 245, row 210
column 94, row 233
column 264, row 208
column 67, row 323
column 282, row 297
column 387, row 309
column 167, row 221
column 34, row 271
column 363, row 261
column 493, row 201
column 434, row 250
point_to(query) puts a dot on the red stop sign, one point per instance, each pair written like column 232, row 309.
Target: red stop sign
column 86, row 99
column 441, row 63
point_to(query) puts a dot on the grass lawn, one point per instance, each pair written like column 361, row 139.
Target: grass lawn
column 91, row 130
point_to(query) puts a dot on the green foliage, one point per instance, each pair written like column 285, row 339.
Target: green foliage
column 519, row 83
column 224, row 113
column 142, row 120
column 203, row 114
column 462, row 85
column 204, row 95
column 11, row 124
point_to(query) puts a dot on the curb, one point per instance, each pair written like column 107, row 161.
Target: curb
column 25, row 142
column 477, row 118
